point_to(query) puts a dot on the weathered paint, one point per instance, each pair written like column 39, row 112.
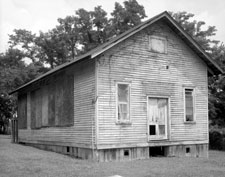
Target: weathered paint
column 22, row 111
column 93, row 103
column 67, row 94
column 33, row 109
column 44, row 106
column 28, row 111
column 151, row 74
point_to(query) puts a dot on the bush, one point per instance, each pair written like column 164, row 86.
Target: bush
column 216, row 139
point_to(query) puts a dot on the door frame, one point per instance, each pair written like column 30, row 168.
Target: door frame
column 168, row 122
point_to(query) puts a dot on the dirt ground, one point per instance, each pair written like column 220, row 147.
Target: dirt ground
column 19, row 161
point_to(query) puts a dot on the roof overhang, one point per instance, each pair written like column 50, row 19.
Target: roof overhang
column 213, row 67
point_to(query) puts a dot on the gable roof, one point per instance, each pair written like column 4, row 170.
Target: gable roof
column 213, row 67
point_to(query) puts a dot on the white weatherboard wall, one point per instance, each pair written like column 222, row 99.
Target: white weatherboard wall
column 151, row 74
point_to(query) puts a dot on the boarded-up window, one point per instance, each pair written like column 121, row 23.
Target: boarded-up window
column 44, row 104
column 33, row 109
column 36, row 109
column 189, row 105
column 123, row 101
column 157, row 44
column 68, row 102
column 61, row 100
column 53, row 104
column 22, row 111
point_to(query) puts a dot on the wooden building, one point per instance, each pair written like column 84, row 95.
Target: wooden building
column 141, row 94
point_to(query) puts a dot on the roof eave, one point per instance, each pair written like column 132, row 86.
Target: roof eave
column 60, row 67
column 212, row 65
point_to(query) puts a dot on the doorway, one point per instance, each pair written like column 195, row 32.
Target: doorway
column 157, row 118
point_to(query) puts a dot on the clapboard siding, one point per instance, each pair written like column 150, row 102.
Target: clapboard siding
column 22, row 111
column 147, row 72
column 52, row 102
column 84, row 94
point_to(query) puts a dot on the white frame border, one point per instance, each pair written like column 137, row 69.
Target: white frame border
column 194, row 101
column 168, row 121
column 129, row 96
column 163, row 38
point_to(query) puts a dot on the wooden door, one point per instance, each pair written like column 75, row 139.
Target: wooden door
column 157, row 118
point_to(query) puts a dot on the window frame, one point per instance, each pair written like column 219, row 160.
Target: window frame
column 117, row 103
column 193, row 100
column 157, row 38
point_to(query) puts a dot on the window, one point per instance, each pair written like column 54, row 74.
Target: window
column 157, row 44
column 152, row 129
column 123, row 102
column 22, row 111
column 189, row 105
column 188, row 150
column 126, row 153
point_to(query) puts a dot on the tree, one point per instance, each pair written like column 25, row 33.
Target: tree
column 94, row 26
column 69, row 32
column 52, row 50
column 101, row 22
column 217, row 100
column 29, row 54
column 194, row 29
column 76, row 34
column 125, row 18
column 13, row 73
column 24, row 41
column 85, row 30
column 217, row 52
column 7, row 108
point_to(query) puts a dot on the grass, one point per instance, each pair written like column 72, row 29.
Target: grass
column 18, row 160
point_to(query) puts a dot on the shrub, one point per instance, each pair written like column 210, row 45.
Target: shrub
column 216, row 139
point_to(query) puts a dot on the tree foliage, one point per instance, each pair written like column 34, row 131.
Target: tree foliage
column 78, row 33
column 217, row 51
column 13, row 73
column 195, row 29
column 24, row 41
column 30, row 55
column 124, row 18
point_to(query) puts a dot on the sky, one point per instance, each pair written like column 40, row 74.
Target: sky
column 42, row 15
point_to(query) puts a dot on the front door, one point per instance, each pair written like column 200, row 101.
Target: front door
column 157, row 118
